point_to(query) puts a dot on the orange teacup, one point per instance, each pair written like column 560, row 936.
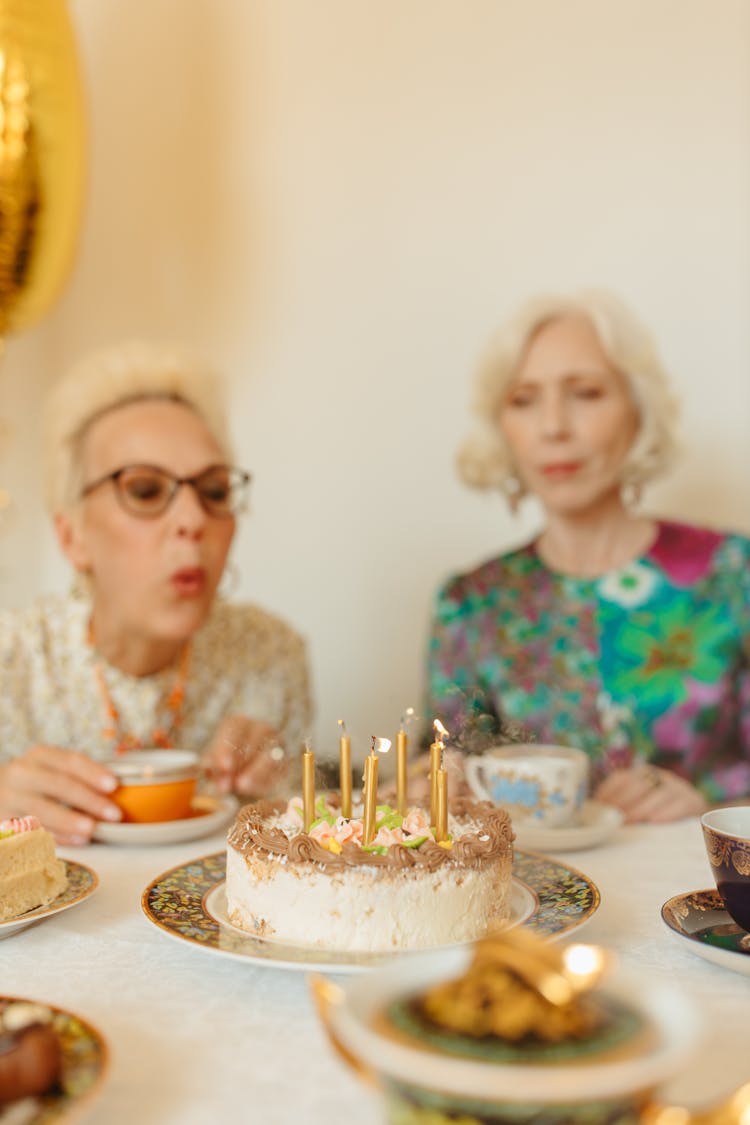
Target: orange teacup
column 155, row 784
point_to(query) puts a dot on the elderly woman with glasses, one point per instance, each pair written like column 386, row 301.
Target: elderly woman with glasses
column 143, row 652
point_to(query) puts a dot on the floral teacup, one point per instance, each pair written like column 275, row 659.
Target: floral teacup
column 546, row 785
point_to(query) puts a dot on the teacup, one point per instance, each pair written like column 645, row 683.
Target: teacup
column 546, row 785
column 425, row 1078
column 155, row 785
column 726, row 833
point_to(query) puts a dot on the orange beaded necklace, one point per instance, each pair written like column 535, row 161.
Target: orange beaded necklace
column 172, row 703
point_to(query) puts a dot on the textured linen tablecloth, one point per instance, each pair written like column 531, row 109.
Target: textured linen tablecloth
column 196, row 1038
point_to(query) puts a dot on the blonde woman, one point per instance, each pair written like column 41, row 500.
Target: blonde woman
column 614, row 631
column 145, row 498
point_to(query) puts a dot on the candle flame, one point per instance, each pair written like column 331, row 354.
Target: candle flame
column 380, row 745
column 407, row 715
column 342, row 724
column 439, row 729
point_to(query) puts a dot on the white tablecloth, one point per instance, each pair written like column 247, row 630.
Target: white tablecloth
column 196, row 1038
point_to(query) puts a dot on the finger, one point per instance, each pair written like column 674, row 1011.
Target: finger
column 66, row 825
column 260, row 775
column 27, row 777
column 72, row 763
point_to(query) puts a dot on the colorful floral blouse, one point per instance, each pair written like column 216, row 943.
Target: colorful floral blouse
column 244, row 662
column 647, row 663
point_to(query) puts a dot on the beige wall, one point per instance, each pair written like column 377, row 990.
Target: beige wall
column 338, row 200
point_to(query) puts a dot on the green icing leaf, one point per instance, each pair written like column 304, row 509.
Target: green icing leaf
column 325, row 819
column 379, row 848
column 413, row 841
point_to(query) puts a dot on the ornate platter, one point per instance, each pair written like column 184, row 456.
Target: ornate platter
column 82, row 882
column 187, row 903
column 700, row 918
column 85, row 1059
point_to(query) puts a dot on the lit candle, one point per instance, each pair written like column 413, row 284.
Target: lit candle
column 345, row 771
column 441, row 831
column 436, row 762
column 308, row 787
column 402, row 743
column 370, row 794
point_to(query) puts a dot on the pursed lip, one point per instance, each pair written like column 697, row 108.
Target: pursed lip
column 189, row 580
column 559, row 469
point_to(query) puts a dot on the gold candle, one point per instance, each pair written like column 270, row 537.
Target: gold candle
column 401, row 750
column 370, row 796
column 436, row 761
column 345, row 771
column 441, row 832
column 308, row 787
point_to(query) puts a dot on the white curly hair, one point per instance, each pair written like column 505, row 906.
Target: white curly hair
column 484, row 460
column 129, row 372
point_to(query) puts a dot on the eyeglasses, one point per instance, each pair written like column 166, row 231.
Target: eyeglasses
column 147, row 490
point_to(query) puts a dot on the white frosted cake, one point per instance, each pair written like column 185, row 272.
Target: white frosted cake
column 31, row 875
column 405, row 891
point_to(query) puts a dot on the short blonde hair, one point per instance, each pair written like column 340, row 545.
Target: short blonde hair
column 129, row 372
column 484, row 460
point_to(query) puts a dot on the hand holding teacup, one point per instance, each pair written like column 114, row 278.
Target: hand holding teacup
column 543, row 785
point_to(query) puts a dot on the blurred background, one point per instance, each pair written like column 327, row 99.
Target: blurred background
column 337, row 202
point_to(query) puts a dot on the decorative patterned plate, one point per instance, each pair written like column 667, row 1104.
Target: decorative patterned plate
column 82, row 882
column 85, row 1059
column 700, row 917
column 187, row 903
column 209, row 815
column 597, row 823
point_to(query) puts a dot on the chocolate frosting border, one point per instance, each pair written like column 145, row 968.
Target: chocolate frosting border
column 251, row 833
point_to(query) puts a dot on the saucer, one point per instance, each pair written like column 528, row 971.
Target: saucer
column 82, row 882
column 700, row 917
column 597, row 823
column 209, row 815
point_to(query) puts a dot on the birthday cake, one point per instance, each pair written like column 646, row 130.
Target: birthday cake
column 405, row 890
column 31, row 875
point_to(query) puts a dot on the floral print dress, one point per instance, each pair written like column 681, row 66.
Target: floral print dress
column 650, row 662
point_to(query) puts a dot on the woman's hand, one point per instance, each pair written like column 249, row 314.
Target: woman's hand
column 245, row 757
column 65, row 789
column 648, row 794
column 418, row 781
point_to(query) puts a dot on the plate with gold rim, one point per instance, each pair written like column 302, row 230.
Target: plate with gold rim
column 187, row 903
column 82, row 882
column 700, row 918
column 85, row 1062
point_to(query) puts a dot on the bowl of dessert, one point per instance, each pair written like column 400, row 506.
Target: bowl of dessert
column 510, row 1029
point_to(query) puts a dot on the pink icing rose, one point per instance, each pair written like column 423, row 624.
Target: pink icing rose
column 322, row 832
column 387, row 836
column 348, row 831
column 18, row 824
column 415, row 823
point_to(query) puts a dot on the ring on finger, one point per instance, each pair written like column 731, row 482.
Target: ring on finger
column 277, row 754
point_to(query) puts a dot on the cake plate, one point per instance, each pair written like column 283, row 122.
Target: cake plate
column 187, row 903
column 82, row 882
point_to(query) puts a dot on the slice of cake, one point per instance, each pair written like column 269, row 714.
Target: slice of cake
column 405, row 890
column 30, row 1052
column 31, row 875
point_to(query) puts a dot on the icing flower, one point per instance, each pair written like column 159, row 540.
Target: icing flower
column 415, row 823
column 387, row 836
column 322, row 832
column 348, row 831
column 294, row 808
column 19, row 824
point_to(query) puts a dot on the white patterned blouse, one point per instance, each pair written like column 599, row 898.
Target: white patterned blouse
column 244, row 661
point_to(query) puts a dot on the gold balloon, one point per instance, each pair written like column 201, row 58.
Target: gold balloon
column 42, row 141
